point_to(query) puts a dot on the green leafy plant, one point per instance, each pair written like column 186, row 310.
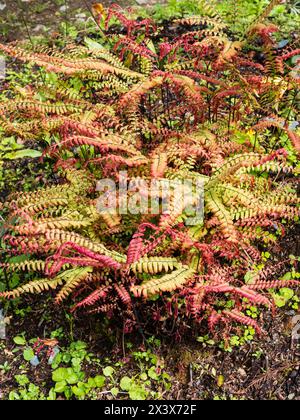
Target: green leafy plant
column 27, row 391
column 286, row 296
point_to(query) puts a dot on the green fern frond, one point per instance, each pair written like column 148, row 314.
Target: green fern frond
column 30, row 265
column 33, row 287
column 154, row 265
column 168, row 283
column 73, row 278
column 214, row 204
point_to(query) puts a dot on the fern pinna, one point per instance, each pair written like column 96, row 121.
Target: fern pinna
column 190, row 107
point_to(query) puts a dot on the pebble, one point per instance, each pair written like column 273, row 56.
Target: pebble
column 35, row 361
column 242, row 372
column 80, row 16
column 64, row 8
column 291, row 313
column 2, row 6
column 40, row 28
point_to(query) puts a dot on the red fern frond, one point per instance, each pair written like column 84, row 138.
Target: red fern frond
column 136, row 247
column 93, row 298
column 159, row 165
column 103, row 309
column 123, row 294
column 94, row 259
column 128, row 44
column 272, row 284
column 213, row 320
column 242, row 319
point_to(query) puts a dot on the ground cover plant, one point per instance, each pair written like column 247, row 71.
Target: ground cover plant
column 155, row 105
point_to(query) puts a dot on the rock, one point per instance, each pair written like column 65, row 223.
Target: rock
column 40, row 28
column 81, row 17
column 242, row 372
column 35, row 361
column 2, row 6
column 64, row 8
column 291, row 313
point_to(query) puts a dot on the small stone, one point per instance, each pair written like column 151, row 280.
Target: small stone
column 242, row 372
column 291, row 313
column 40, row 28
column 291, row 397
column 80, row 16
column 55, row 352
column 64, row 8
column 2, row 6
column 35, row 361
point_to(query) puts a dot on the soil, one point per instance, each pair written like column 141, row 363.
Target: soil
column 266, row 369
column 19, row 19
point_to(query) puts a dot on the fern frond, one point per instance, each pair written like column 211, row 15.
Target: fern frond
column 34, row 287
column 215, row 205
column 204, row 21
column 62, row 237
column 170, row 282
column 93, row 298
column 154, row 265
column 38, row 107
column 159, row 165
column 30, row 265
column 243, row 319
column 232, row 165
column 273, row 284
column 73, row 279
column 123, row 294
column 69, row 66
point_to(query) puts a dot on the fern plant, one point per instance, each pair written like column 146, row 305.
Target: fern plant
column 61, row 228
column 165, row 110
